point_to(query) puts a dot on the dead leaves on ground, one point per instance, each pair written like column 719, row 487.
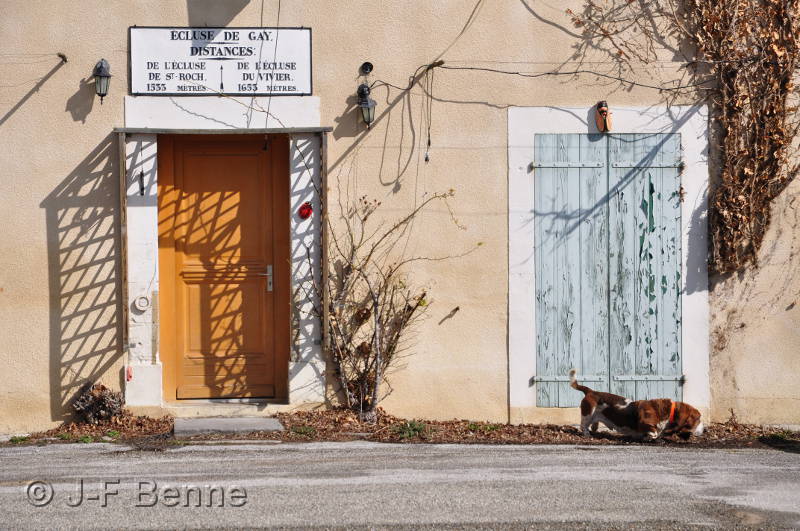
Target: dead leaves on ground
column 343, row 425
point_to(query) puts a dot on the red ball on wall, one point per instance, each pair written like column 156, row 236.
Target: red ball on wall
column 305, row 210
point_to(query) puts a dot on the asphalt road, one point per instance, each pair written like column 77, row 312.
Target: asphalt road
column 377, row 485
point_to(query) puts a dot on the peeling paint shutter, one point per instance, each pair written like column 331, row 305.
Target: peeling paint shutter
column 571, row 254
column 607, row 254
column 645, row 272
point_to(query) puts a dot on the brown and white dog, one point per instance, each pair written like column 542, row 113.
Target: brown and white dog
column 644, row 419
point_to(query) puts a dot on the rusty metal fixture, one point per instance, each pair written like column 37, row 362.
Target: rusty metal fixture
column 602, row 117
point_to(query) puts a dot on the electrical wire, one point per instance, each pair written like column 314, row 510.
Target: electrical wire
column 414, row 78
column 429, row 118
column 575, row 73
column 274, row 54
column 581, row 71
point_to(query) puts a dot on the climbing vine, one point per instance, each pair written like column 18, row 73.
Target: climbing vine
column 739, row 55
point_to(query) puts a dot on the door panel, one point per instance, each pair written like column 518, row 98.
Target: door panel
column 571, row 265
column 223, row 204
column 645, row 271
column 624, row 188
column 607, row 251
column 224, row 217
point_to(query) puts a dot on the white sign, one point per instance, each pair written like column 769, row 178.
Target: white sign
column 213, row 61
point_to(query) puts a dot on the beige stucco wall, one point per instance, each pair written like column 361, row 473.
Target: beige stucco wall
column 755, row 360
column 59, row 246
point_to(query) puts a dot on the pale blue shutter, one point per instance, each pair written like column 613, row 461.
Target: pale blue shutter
column 645, row 265
column 607, row 256
column 571, row 257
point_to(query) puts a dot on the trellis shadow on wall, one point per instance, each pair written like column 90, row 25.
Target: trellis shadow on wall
column 305, row 239
column 83, row 250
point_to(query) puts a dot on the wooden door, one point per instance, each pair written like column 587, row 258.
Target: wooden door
column 224, row 271
column 608, row 265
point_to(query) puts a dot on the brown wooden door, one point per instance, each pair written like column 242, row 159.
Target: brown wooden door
column 223, row 256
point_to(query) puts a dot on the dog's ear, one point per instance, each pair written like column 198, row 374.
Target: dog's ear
column 686, row 419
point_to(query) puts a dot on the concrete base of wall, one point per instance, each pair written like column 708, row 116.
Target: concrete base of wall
column 544, row 415
column 306, row 382
column 144, row 387
column 144, row 393
column 221, row 408
column 186, row 427
column 756, row 410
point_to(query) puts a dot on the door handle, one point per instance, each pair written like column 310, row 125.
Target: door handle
column 268, row 274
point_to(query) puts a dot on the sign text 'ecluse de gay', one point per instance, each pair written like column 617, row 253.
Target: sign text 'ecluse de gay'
column 213, row 61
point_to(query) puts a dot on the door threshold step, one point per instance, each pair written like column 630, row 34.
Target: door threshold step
column 185, row 427
column 242, row 403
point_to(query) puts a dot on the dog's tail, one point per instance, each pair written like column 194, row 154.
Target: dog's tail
column 573, row 382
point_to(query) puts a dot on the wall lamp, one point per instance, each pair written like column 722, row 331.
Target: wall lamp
column 102, row 78
column 366, row 104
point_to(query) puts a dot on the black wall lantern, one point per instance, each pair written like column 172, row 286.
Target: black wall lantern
column 102, row 78
column 366, row 103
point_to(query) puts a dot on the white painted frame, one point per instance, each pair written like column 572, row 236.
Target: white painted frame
column 306, row 371
column 692, row 124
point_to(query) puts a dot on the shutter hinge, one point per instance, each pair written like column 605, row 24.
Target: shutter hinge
column 566, row 378
column 650, row 378
column 567, row 164
column 637, row 165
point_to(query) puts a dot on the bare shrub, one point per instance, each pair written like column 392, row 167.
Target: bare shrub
column 372, row 301
column 97, row 403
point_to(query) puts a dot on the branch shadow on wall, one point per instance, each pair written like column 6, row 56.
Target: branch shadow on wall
column 83, row 249
column 39, row 83
column 616, row 39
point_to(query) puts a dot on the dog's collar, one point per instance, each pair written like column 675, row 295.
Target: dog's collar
column 672, row 412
